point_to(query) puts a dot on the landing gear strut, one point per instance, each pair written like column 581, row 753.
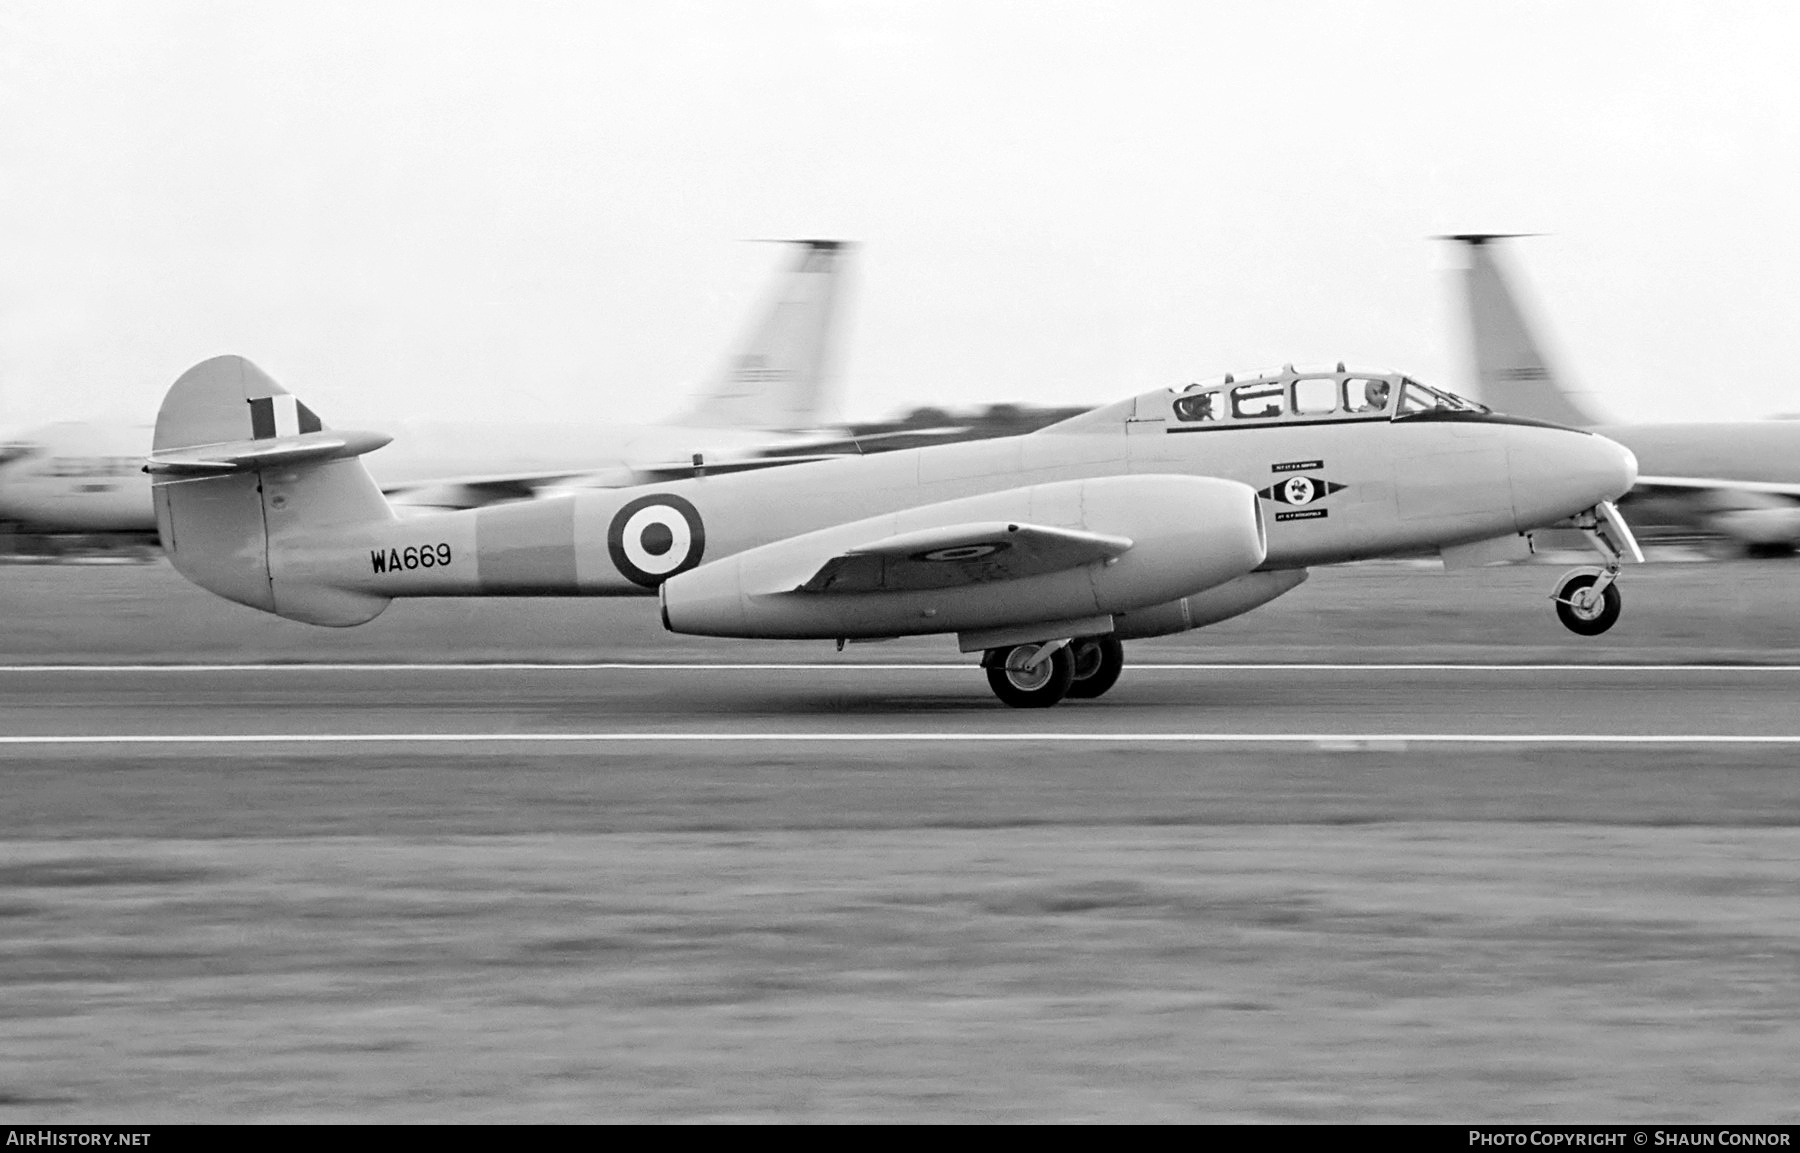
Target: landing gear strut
column 1588, row 601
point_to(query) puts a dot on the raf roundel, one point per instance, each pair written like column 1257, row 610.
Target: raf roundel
column 962, row 552
column 654, row 537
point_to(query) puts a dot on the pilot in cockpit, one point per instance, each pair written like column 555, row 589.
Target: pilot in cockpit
column 1375, row 395
column 1200, row 406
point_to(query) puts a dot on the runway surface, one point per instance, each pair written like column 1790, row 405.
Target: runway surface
column 857, row 700
column 1400, row 880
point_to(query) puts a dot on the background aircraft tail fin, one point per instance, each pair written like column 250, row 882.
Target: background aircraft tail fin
column 241, row 466
column 1515, row 376
column 779, row 378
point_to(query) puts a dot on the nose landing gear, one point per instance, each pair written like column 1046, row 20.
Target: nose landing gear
column 1588, row 602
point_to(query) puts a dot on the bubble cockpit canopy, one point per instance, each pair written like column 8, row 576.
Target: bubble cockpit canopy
column 1288, row 394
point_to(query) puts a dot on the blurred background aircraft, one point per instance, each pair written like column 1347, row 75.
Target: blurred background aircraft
column 1736, row 479
column 772, row 393
column 78, row 486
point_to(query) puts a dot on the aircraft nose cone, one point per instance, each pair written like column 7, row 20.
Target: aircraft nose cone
column 1557, row 473
column 1623, row 466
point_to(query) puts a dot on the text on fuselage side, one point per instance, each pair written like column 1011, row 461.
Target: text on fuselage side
column 410, row 557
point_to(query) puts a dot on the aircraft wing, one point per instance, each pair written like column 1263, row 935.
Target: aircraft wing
column 961, row 554
column 476, row 491
column 850, row 442
column 662, row 473
column 1700, row 483
column 801, row 452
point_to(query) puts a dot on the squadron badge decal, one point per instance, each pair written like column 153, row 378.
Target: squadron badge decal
column 654, row 537
column 1301, row 492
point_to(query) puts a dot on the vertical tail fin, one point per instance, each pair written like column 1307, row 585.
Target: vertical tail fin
column 240, row 467
column 779, row 377
column 1514, row 375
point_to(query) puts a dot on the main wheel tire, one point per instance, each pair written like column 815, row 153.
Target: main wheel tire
column 1592, row 621
column 1034, row 688
column 1098, row 663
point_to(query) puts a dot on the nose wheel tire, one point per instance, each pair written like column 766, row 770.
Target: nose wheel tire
column 1584, row 611
column 1026, row 686
column 1098, row 663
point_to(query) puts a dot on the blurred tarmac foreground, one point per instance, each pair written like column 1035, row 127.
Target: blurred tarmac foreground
column 1005, row 927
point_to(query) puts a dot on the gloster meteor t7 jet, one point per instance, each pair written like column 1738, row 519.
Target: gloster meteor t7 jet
column 1161, row 513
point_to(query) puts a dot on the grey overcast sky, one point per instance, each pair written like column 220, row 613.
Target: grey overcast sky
column 516, row 209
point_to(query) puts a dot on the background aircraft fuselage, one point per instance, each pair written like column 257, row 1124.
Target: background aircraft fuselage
column 89, row 476
column 1752, row 451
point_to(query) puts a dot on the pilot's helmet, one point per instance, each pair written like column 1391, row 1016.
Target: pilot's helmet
column 1375, row 393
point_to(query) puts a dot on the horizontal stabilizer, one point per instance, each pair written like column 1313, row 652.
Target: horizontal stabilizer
column 247, row 455
column 963, row 554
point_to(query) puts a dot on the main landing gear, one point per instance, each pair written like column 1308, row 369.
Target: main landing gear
column 1588, row 601
column 1036, row 676
column 1098, row 663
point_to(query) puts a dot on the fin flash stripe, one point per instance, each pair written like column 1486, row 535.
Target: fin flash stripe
column 284, row 415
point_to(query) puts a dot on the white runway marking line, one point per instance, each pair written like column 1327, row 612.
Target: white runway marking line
column 1322, row 740
column 658, row 666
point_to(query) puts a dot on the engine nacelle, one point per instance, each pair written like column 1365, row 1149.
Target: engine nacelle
column 1774, row 526
column 1233, row 598
column 1187, row 534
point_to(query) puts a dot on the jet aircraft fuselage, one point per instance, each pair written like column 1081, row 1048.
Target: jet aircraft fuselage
column 1162, row 513
column 78, row 477
column 1417, row 470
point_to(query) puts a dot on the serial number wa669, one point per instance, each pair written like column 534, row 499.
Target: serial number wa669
column 410, row 557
